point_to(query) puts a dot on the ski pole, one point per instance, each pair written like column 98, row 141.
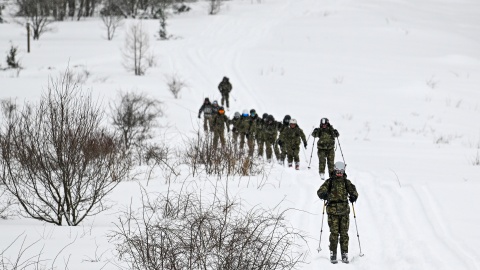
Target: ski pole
column 311, row 154
column 321, row 229
column 339, row 146
column 358, row 236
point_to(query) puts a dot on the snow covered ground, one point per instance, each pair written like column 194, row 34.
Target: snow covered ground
column 399, row 80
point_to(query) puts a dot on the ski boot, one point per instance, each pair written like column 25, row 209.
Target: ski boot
column 322, row 176
column 289, row 164
column 333, row 257
column 297, row 166
column 345, row 257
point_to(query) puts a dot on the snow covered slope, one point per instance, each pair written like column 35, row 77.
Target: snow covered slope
column 399, row 79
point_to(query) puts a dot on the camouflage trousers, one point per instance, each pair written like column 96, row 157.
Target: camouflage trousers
column 207, row 123
column 292, row 153
column 339, row 227
column 283, row 152
column 260, row 144
column 218, row 134
column 271, row 147
column 250, row 143
column 225, row 99
column 326, row 156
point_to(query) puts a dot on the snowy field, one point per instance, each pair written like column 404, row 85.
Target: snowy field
column 399, row 79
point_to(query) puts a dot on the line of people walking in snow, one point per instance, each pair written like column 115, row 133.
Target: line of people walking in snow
column 284, row 139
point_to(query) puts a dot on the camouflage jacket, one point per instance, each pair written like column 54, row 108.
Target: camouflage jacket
column 243, row 126
column 260, row 128
column 326, row 137
column 225, row 87
column 219, row 122
column 292, row 137
column 336, row 191
column 235, row 122
column 270, row 132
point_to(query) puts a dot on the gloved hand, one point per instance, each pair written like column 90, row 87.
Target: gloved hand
column 322, row 196
column 305, row 144
column 199, row 116
column 280, row 143
column 352, row 198
column 335, row 132
column 247, row 135
column 234, row 129
column 315, row 130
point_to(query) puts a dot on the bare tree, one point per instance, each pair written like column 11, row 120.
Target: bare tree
column 136, row 49
column 57, row 160
column 37, row 14
column 112, row 20
column 134, row 116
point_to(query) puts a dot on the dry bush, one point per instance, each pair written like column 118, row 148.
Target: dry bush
column 175, row 84
column 56, row 159
column 134, row 115
column 201, row 156
column 187, row 231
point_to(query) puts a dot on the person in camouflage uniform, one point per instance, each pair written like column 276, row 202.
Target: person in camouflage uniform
column 281, row 126
column 292, row 137
column 208, row 112
column 252, row 131
column 235, row 121
column 243, row 128
column 260, row 135
column 335, row 191
column 225, row 87
column 220, row 121
column 270, row 131
column 326, row 135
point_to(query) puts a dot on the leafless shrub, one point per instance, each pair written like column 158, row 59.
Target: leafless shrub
column 12, row 59
column 187, row 231
column 57, row 160
column 432, row 82
column 175, row 84
column 476, row 159
column 134, row 116
column 201, row 156
column 6, row 202
column 26, row 258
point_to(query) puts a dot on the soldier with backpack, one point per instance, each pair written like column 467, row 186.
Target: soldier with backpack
column 235, row 121
column 270, row 132
column 337, row 191
column 281, row 126
column 208, row 112
column 225, row 87
column 291, row 137
column 220, row 121
column 326, row 135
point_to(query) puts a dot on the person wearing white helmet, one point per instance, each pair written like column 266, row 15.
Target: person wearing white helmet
column 290, row 138
column 337, row 191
